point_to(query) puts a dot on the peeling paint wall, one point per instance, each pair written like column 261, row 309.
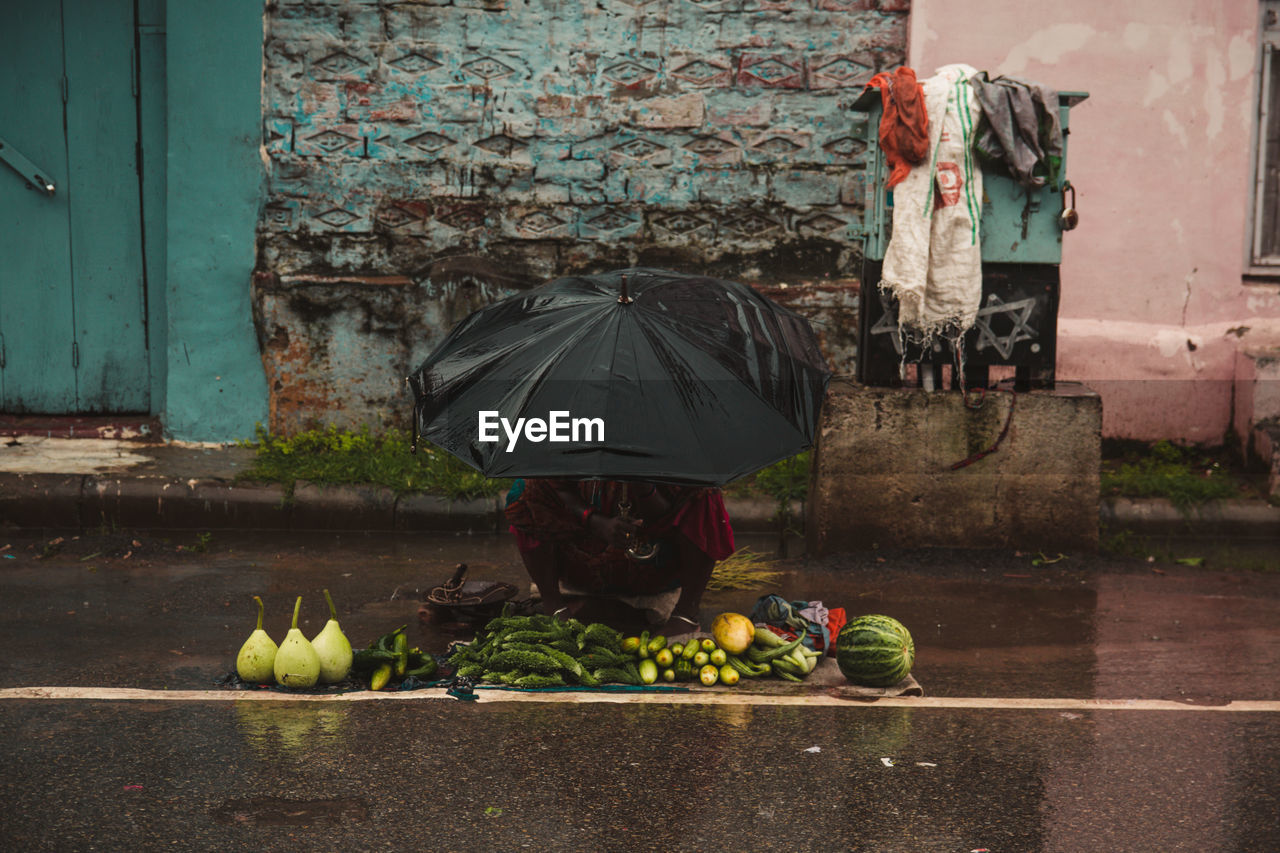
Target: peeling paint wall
column 1155, row 312
column 425, row 158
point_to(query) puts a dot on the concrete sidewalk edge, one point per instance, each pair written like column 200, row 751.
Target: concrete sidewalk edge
column 92, row 501
column 1221, row 518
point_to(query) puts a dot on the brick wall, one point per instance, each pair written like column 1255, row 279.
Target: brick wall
column 427, row 157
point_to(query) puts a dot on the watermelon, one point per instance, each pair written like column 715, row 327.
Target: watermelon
column 875, row 651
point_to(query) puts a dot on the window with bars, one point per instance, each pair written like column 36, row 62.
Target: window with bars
column 1265, row 245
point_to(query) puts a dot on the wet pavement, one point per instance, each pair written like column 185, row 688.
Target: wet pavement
column 119, row 610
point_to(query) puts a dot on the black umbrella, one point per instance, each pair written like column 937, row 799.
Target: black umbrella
column 637, row 374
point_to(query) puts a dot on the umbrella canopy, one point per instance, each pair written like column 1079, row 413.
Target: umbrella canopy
column 638, row 374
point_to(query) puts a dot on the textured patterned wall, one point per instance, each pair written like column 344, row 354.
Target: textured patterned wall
column 539, row 137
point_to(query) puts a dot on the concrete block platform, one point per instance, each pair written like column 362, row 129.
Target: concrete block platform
column 902, row 467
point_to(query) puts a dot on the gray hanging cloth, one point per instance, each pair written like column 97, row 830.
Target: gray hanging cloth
column 1021, row 129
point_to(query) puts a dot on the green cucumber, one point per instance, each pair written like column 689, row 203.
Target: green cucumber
column 648, row 671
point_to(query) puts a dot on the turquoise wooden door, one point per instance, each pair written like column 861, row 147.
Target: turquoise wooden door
column 73, row 332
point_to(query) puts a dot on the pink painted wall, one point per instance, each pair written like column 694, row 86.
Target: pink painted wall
column 1153, row 300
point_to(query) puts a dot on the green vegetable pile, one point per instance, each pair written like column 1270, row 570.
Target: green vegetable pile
column 701, row 659
column 390, row 657
column 542, row 651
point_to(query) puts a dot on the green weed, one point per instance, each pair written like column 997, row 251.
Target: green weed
column 785, row 481
column 1185, row 476
column 336, row 456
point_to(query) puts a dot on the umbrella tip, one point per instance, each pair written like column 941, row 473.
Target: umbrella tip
column 624, row 298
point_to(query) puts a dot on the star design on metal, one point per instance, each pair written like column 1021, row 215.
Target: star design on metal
column 1019, row 312
column 888, row 323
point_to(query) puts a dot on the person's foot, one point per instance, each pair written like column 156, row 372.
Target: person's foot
column 562, row 610
column 679, row 626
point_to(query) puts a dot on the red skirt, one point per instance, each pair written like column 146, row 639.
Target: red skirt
column 539, row 519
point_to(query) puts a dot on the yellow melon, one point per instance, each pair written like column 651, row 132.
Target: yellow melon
column 733, row 632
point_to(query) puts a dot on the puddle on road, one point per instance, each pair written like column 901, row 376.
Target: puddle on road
column 1225, row 554
column 274, row 811
column 985, row 623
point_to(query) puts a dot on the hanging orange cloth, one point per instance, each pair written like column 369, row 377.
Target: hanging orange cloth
column 904, row 126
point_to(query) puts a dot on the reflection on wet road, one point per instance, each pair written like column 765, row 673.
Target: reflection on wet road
column 462, row 776
column 933, row 774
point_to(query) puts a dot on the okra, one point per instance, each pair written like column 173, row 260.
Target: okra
column 784, row 674
column 746, row 669
column 787, row 666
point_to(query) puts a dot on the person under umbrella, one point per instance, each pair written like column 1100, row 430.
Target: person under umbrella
column 577, row 533
column 625, row 399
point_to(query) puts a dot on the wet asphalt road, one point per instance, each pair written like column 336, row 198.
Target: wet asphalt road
column 439, row 774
